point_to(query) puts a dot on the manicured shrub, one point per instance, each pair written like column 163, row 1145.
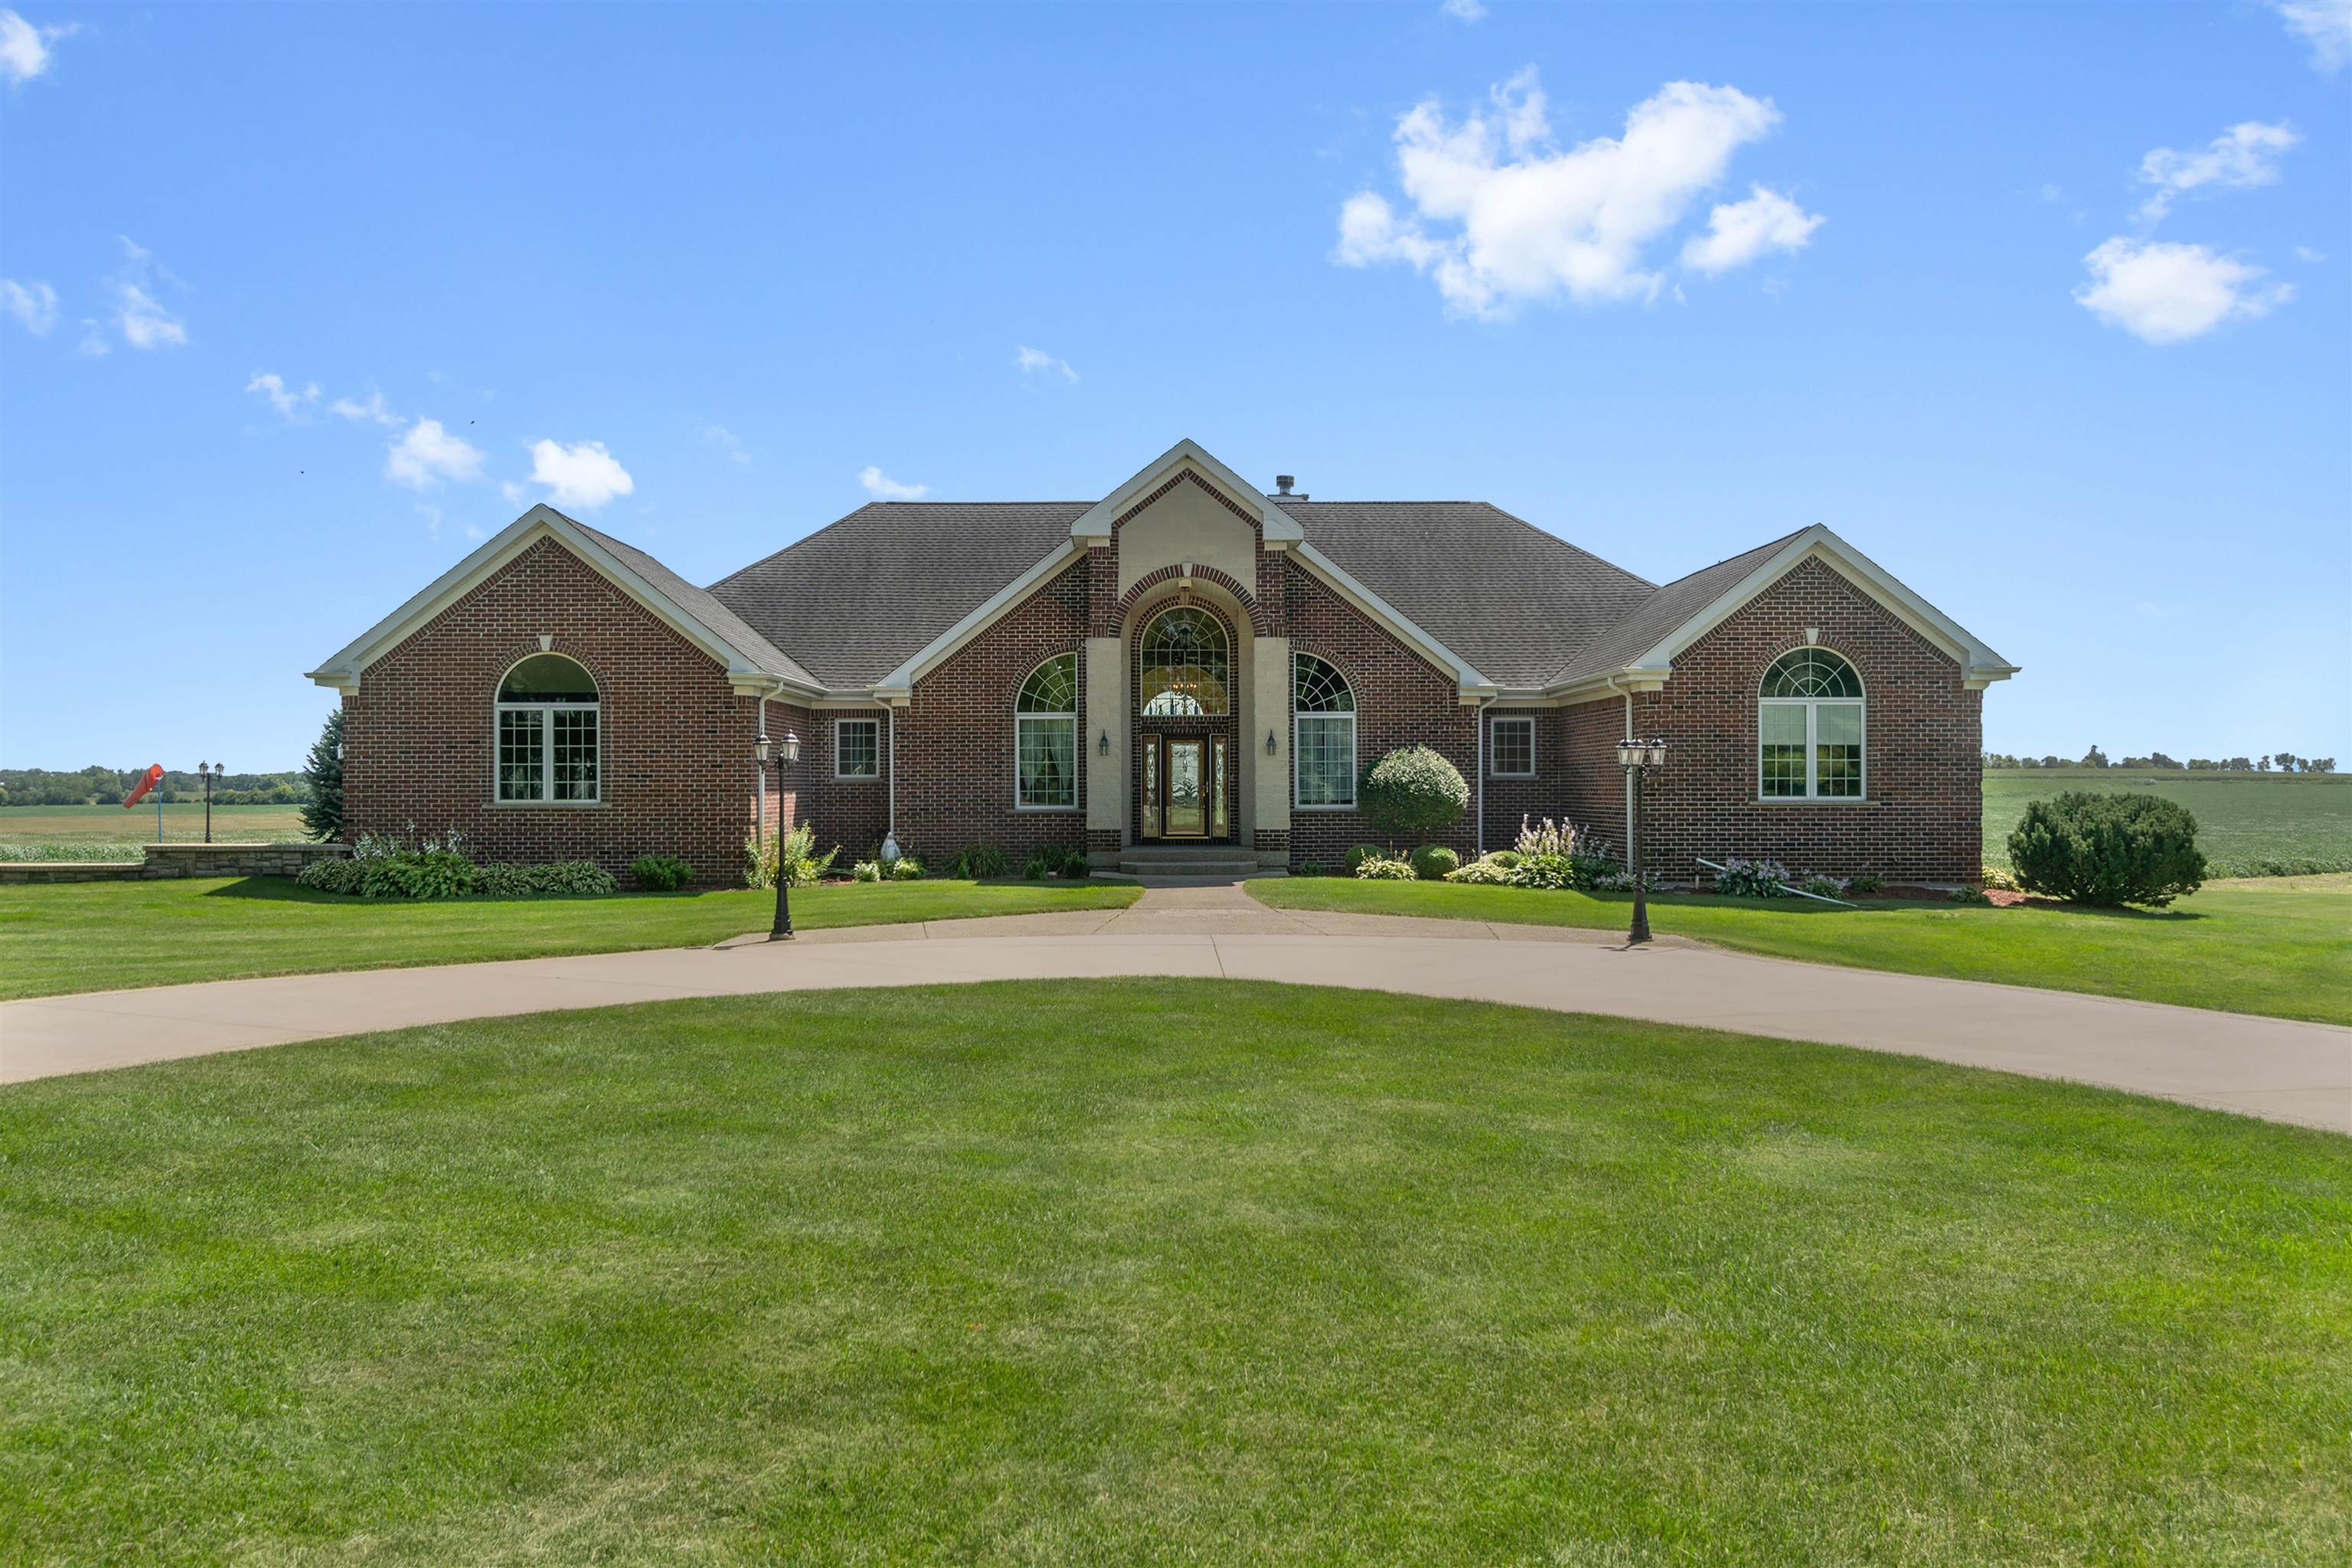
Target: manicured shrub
column 660, row 873
column 1412, row 792
column 1549, row 872
column 1386, row 869
column 976, row 862
column 2107, row 849
column 1506, row 858
column 1433, row 862
column 1359, row 853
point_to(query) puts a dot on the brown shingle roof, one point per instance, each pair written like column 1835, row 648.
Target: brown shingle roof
column 1661, row 611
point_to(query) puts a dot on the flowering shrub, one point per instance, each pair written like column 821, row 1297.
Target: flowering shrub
column 865, row 871
column 1548, row 872
column 1387, row 868
column 1824, row 886
column 1752, row 879
column 1487, row 870
column 385, row 865
column 905, row 868
column 1545, row 838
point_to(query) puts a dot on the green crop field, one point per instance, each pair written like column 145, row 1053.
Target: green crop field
column 110, row 833
column 2249, row 825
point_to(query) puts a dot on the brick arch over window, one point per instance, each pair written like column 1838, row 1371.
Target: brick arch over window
column 1122, row 614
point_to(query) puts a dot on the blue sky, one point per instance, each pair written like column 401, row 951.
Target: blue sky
column 2045, row 309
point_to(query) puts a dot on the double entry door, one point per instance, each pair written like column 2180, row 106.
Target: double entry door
column 1183, row 788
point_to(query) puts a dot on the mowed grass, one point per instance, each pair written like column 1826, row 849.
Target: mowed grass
column 36, row 827
column 99, row 936
column 2281, row 947
column 1156, row 1271
column 2249, row 825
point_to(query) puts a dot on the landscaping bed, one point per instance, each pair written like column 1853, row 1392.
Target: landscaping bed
column 1156, row 1271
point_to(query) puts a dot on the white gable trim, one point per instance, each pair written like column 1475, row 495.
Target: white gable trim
column 900, row 682
column 1979, row 666
column 1393, row 620
column 343, row 671
column 1277, row 527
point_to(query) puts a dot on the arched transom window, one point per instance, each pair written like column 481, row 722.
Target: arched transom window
column 1045, row 736
column 1808, row 727
column 1322, row 733
column 548, row 739
column 1185, row 663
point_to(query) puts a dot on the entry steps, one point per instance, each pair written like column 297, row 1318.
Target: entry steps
column 1220, row 861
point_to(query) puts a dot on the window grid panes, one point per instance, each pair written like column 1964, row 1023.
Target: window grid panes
column 547, row 731
column 523, row 755
column 857, row 748
column 1513, row 745
column 1185, row 663
column 1810, row 728
column 1045, row 736
column 575, row 752
column 1323, row 733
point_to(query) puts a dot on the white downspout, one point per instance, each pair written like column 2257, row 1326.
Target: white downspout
column 890, row 797
column 1629, row 778
column 1478, row 846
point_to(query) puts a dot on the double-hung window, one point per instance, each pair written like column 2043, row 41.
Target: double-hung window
column 1808, row 727
column 1511, row 749
column 1322, row 733
column 550, row 746
column 857, row 748
column 1046, row 737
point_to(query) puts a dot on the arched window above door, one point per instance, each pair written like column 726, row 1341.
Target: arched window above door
column 1187, row 664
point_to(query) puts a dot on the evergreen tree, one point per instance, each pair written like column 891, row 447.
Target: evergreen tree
column 322, row 817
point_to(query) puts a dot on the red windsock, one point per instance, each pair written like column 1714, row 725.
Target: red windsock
column 147, row 781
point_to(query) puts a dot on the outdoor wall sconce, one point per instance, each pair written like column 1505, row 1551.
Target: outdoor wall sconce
column 1102, row 747
column 1269, row 742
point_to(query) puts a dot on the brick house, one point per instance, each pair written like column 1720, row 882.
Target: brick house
column 1187, row 668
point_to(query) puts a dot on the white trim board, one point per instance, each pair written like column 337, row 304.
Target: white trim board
column 1274, row 523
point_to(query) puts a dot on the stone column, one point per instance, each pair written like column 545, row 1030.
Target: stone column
column 1270, row 709
column 1108, row 709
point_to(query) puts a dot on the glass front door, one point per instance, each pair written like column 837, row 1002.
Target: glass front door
column 1187, row 811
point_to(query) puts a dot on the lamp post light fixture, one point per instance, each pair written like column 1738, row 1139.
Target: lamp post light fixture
column 786, row 755
column 1638, row 757
column 207, row 772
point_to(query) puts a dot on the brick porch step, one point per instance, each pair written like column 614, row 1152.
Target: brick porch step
column 1187, row 862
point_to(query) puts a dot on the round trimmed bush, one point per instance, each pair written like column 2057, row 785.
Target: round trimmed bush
column 1359, row 853
column 2107, row 849
column 1433, row 862
column 1412, row 792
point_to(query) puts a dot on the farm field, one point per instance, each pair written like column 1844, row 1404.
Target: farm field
column 110, row 833
column 2249, row 825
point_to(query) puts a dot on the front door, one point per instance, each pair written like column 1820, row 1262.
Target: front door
column 1184, row 786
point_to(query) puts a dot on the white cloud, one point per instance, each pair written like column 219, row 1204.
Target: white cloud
column 373, row 409
column 726, row 440
column 1036, row 361
column 145, row 323
column 428, row 454
column 2242, row 156
column 512, row 493
column 2324, row 26
column 882, row 487
column 584, row 476
column 1740, row 232
column 1463, row 10
column 33, row 304
column 2306, row 253
column 2167, row 293
column 272, row 386
column 24, row 48
column 93, row 338
column 1534, row 222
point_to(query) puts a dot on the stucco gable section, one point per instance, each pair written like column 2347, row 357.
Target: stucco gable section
column 1641, row 650
column 751, row 661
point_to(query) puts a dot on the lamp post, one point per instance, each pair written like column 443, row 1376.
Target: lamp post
column 1638, row 757
column 207, row 772
column 787, row 753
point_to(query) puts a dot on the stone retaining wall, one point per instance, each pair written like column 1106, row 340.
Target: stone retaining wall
column 178, row 861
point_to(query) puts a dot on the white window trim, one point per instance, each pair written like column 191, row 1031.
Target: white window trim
column 874, row 777
column 1812, row 795
column 546, row 711
column 1494, row 724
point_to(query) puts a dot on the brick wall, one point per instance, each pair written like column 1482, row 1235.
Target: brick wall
column 419, row 738
column 1508, row 799
column 955, row 736
column 1401, row 700
column 1921, row 820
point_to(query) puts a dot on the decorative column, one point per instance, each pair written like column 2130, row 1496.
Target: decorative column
column 1269, row 713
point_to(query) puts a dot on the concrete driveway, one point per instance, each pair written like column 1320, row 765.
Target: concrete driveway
column 2270, row 1068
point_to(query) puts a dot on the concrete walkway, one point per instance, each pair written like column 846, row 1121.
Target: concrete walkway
column 2269, row 1067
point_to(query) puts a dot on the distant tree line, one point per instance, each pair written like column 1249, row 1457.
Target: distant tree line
column 2281, row 762
column 96, row 785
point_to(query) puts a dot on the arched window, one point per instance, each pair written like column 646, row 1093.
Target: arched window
column 1045, row 736
column 1808, row 727
column 548, row 731
column 1322, row 733
column 1185, row 663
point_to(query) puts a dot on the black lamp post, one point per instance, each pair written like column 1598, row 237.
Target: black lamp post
column 787, row 753
column 1638, row 757
column 208, row 772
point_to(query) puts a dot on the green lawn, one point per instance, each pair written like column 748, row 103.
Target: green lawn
column 1156, row 1271
column 98, row 936
column 2281, row 947
column 109, row 832
column 2249, row 825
